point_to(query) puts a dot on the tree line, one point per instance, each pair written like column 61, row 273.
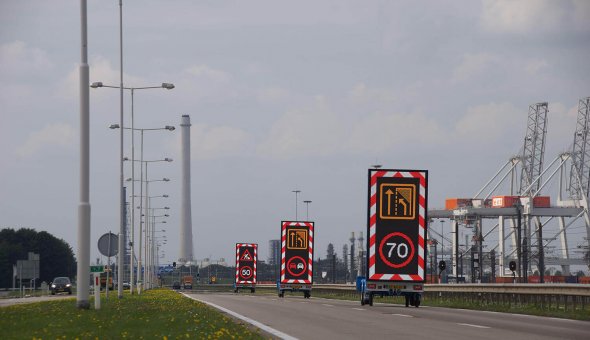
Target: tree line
column 56, row 255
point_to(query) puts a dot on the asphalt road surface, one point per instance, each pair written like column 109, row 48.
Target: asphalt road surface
column 295, row 317
column 32, row 299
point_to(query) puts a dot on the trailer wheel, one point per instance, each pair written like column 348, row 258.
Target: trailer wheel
column 407, row 300
column 362, row 299
column 306, row 295
column 370, row 299
column 252, row 290
column 417, row 300
column 281, row 294
column 235, row 290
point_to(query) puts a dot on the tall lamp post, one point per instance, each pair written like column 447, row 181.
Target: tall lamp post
column 168, row 86
column 83, row 248
column 117, row 126
column 307, row 209
column 296, row 194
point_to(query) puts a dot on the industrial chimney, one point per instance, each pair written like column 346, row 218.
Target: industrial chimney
column 186, row 224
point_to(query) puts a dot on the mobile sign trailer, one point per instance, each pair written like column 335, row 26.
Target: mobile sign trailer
column 246, row 258
column 296, row 258
column 396, row 223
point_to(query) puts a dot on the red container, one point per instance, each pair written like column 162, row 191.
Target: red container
column 504, row 201
column 542, row 202
column 454, row 203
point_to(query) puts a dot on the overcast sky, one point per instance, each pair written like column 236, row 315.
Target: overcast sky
column 282, row 95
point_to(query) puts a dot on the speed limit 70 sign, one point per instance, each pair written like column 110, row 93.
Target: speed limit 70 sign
column 397, row 224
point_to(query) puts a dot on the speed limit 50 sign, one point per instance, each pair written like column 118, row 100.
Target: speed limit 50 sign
column 397, row 224
column 246, row 258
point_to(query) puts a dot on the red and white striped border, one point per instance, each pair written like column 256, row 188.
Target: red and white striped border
column 421, row 222
column 283, row 249
column 241, row 245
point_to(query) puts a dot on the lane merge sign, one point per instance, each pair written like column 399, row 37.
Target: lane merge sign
column 246, row 257
column 396, row 224
column 297, row 252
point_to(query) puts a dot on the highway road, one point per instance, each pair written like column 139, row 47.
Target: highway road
column 295, row 317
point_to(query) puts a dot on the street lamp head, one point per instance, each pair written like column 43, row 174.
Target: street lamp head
column 168, row 159
column 168, row 86
column 114, row 126
column 165, row 196
column 166, row 215
column 166, row 179
column 125, row 158
column 96, row 84
column 169, row 128
column 166, row 208
column 128, row 179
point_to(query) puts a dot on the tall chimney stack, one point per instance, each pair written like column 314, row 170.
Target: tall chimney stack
column 186, row 224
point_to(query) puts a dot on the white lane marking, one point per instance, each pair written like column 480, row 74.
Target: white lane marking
column 248, row 320
column 404, row 315
column 303, row 302
column 274, row 299
column 327, row 305
column 359, row 308
column 470, row 325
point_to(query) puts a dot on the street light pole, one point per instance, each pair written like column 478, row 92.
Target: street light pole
column 296, row 193
column 167, row 86
column 307, row 209
column 83, row 251
column 122, row 192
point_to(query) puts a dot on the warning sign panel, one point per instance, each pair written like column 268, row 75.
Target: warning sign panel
column 246, row 256
column 297, row 252
column 397, row 224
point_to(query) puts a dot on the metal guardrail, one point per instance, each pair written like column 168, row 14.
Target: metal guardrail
column 508, row 288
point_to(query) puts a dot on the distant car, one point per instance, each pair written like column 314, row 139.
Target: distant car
column 61, row 285
column 126, row 285
column 176, row 285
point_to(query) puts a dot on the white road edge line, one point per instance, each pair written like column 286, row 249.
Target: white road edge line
column 327, row 305
column 247, row 319
column 358, row 308
column 470, row 325
column 404, row 315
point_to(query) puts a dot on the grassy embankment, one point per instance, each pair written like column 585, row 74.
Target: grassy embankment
column 155, row 314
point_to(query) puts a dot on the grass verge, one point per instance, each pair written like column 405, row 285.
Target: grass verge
column 155, row 314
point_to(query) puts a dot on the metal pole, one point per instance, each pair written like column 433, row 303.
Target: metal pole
column 132, row 243
column 83, row 251
column 121, row 193
column 139, row 268
column 518, row 241
column 296, row 193
column 145, row 216
column 541, row 254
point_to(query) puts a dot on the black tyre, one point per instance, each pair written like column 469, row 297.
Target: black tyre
column 407, row 300
column 252, row 290
column 362, row 299
column 370, row 299
column 70, row 292
column 53, row 292
column 412, row 300
column 417, row 300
